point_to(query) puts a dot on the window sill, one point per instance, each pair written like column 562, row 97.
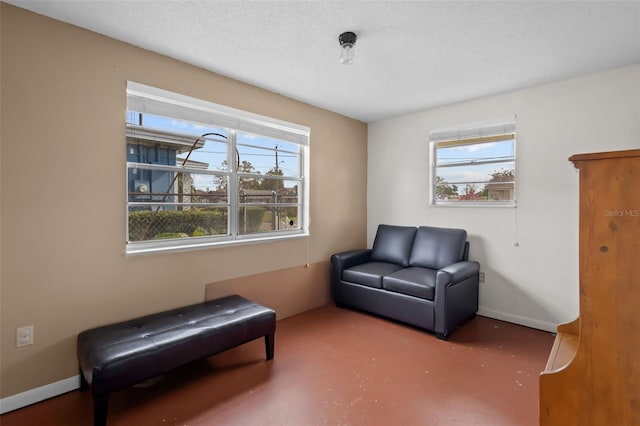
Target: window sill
column 145, row 249
column 480, row 204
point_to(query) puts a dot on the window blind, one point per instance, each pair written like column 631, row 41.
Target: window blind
column 148, row 99
column 486, row 131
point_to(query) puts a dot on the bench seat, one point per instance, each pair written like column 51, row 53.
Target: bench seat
column 116, row 356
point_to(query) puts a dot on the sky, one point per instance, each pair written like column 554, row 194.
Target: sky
column 260, row 151
column 500, row 153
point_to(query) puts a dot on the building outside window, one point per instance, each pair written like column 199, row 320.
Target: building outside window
column 474, row 164
column 201, row 174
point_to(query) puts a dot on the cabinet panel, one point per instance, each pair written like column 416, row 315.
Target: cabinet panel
column 593, row 373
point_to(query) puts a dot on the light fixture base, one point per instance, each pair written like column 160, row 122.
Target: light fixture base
column 348, row 37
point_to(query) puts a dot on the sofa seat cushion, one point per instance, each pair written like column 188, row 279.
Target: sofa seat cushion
column 369, row 274
column 414, row 281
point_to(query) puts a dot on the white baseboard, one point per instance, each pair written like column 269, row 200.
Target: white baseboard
column 41, row 393
column 517, row 319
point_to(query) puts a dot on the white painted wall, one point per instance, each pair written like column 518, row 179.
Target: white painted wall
column 536, row 283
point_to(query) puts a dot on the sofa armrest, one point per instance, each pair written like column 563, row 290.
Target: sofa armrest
column 457, row 272
column 347, row 259
column 350, row 258
column 456, row 296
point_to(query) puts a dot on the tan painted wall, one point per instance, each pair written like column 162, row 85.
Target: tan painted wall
column 297, row 285
column 63, row 195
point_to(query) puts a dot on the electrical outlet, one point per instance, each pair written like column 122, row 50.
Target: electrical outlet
column 481, row 277
column 24, row 336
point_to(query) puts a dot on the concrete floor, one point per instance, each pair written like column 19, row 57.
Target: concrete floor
column 335, row 366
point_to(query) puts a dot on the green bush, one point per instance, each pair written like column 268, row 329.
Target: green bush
column 145, row 225
column 199, row 232
column 255, row 217
column 167, row 235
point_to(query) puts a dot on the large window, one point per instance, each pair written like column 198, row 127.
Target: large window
column 201, row 174
column 474, row 164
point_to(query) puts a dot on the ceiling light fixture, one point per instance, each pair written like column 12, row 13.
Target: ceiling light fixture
column 347, row 42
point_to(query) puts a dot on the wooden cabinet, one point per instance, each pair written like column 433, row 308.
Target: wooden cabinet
column 593, row 373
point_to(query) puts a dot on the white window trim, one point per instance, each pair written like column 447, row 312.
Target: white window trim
column 143, row 98
column 484, row 129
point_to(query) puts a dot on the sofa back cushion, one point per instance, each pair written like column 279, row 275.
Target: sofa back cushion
column 436, row 248
column 393, row 244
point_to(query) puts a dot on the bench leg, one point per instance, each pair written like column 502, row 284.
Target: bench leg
column 268, row 344
column 100, row 406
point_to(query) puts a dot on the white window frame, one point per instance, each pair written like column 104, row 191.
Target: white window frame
column 501, row 129
column 147, row 99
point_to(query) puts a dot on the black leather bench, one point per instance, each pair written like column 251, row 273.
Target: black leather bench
column 117, row 356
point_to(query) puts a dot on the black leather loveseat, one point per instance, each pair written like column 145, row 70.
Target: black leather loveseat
column 421, row 276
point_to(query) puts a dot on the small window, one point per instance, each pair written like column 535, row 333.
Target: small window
column 201, row 174
column 474, row 164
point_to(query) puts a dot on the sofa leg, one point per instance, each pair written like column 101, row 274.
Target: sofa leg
column 442, row 336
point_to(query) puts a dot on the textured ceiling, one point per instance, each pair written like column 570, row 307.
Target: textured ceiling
column 410, row 56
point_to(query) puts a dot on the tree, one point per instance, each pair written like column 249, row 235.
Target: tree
column 245, row 182
column 221, row 181
column 273, row 184
column 445, row 190
column 248, row 182
column 502, row 175
column 471, row 193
